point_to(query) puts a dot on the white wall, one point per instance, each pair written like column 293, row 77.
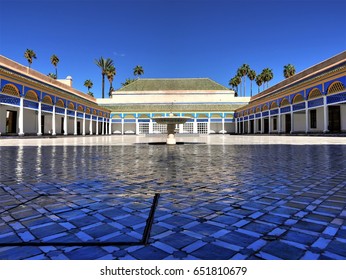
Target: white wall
column 230, row 127
column 3, row 110
column 129, row 126
column 299, row 121
column 30, row 122
column 343, row 116
column 70, row 125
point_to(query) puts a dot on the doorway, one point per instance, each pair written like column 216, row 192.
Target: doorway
column 11, row 121
column 266, row 125
column 334, row 122
column 42, row 124
column 287, row 123
column 62, row 125
column 78, row 128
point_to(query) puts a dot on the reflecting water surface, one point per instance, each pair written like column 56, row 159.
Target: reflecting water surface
column 224, row 195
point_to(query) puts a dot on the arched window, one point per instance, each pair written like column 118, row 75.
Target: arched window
column 273, row 105
column 335, row 87
column 47, row 100
column 80, row 108
column 314, row 93
column 60, row 103
column 284, row 102
column 298, row 98
column 71, row 106
column 11, row 89
column 265, row 108
column 31, row 95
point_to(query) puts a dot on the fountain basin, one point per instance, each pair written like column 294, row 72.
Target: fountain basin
column 171, row 121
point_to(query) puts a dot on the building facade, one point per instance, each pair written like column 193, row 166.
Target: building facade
column 312, row 101
column 33, row 104
column 210, row 105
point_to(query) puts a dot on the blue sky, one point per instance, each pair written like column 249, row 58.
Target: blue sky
column 172, row 38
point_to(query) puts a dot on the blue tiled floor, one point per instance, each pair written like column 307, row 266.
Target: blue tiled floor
column 216, row 201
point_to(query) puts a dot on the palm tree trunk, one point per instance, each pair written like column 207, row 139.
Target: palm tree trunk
column 56, row 72
column 251, row 87
column 244, row 86
column 103, row 86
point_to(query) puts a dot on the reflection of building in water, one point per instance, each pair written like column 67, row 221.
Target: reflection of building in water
column 313, row 100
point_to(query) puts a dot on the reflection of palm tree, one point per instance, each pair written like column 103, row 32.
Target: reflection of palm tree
column 104, row 64
column 55, row 60
column 30, row 55
column 289, row 70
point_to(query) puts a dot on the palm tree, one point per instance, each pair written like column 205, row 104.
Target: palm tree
column 128, row 81
column 104, row 64
column 289, row 70
column 251, row 75
column 259, row 81
column 267, row 75
column 55, row 60
column 52, row 75
column 234, row 83
column 89, row 84
column 30, row 55
column 243, row 71
column 138, row 70
column 110, row 72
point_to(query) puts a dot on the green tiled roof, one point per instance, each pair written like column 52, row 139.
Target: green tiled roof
column 175, row 108
column 172, row 84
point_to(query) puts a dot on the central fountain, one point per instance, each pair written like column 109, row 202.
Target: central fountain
column 171, row 120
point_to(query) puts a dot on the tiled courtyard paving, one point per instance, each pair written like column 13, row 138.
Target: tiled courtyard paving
column 221, row 201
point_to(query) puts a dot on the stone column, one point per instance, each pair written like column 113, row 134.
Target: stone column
column 325, row 115
column 53, row 121
column 279, row 122
column 137, row 125
column 243, row 132
column 97, row 125
column 236, row 126
column 39, row 119
column 223, row 124
column 110, row 127
column 195, row 130
column 262, row 123
column 248, row 124
column 83, row 124
column 21, row 117
column 65, row 122
column 150, row 124
column 254, row 124
column 103, row 126
column 292, row 120
column 75, row 123
column 269, row 122
column 91, row 125
column 122, row 126
column 306, row 117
